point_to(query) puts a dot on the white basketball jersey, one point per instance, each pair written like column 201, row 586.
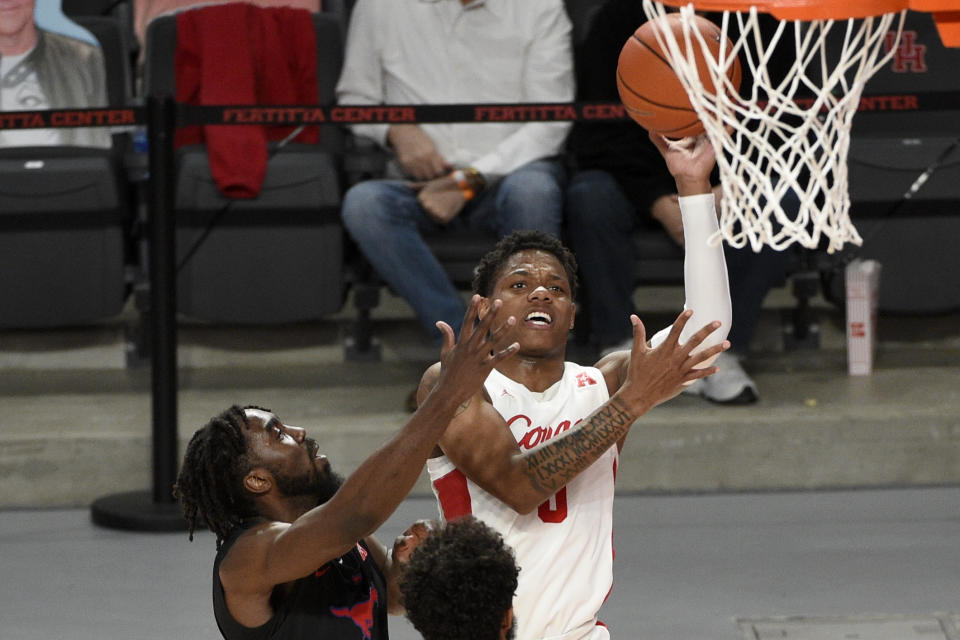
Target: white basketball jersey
column 565, row 547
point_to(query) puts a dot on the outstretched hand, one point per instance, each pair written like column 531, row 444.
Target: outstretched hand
column 689, row 162
column 466, row 362
column 654, row 375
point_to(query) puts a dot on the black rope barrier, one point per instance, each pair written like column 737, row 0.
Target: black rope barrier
column 293, row 115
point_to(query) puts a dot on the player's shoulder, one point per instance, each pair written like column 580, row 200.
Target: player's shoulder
column 611, row 367
column 428, row 381
column 431, row 374
column 249, row 551
column 430, row 377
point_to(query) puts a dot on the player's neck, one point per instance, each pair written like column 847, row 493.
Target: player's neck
column 536, row 373
column 285, row 509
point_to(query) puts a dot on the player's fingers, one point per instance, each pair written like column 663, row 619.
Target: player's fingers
column 469, row 318
column 706, row 354
column 703, row 147
column 696, row 374
column 674, row 336
column 639, row 334
column 696, row 339
column 496, row 337
column 482, row 330
column 497, row 356
column 658, row 141
column 446, row 332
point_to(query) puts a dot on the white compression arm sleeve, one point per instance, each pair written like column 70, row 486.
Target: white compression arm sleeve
column 706, row 288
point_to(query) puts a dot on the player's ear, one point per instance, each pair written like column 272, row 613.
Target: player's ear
column 258, row 481
column 506, row 624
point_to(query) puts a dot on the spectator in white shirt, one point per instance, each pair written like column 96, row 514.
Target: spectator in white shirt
column 487, row 177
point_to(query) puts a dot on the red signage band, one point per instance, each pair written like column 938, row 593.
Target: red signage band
column 293, row 115
column 392, row 114
column 67, row 118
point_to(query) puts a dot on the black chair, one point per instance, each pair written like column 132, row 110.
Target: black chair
column 121, row 10
column 64, row 212
column 275, row 258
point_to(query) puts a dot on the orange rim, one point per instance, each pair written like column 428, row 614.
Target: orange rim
column 946, row 13
column 805, row 9
column 934, row 5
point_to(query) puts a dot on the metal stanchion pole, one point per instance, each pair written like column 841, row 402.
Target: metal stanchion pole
column 157, row 510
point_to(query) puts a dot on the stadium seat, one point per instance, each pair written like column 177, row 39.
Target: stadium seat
column 271, row 259
column 122, row 10
column 64, row 212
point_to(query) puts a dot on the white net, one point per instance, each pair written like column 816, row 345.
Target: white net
column 782, row 146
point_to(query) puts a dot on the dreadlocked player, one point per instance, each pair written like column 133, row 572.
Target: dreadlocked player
column 295, row 555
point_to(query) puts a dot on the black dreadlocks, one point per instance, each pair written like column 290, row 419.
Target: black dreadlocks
column 210, row 484
column 488, row 270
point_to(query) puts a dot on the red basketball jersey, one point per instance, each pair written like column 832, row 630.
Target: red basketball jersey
column 565, row 547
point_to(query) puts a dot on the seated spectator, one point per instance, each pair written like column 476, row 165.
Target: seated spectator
column 44, row 69
column 622, row 185
column 489, row 178
column 460, row 582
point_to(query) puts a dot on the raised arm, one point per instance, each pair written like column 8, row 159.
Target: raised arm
column 280, row 551
column 706, row 287
column 479, row 443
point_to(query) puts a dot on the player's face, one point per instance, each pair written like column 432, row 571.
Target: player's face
column 15, row 15
column 535, row 290
column 294, row 460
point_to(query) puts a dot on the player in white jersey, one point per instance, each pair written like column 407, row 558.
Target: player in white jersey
column 534, row 455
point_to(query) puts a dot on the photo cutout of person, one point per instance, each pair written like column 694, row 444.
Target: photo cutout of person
column 47, row 61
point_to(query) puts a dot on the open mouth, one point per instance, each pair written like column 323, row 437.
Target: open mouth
column 539, row 318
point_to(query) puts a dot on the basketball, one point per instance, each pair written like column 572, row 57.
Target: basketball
column 650, row 90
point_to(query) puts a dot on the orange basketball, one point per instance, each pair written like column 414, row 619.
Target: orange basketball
column 649, row 88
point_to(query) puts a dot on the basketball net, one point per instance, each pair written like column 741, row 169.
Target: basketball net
column 788, row 139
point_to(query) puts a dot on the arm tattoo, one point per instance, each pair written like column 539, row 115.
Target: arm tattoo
column 463, row 407
column 553, row 465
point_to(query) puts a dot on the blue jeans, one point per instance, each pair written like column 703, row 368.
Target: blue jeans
column 601, row 221
column 388, row 224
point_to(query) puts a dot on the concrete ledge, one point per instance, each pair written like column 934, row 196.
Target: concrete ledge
column 811, row 430
column 76, row 426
